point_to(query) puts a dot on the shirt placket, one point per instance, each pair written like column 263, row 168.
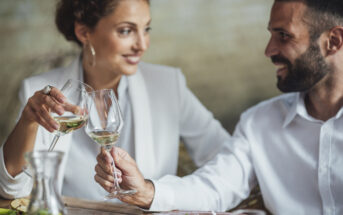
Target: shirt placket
column 324, row 176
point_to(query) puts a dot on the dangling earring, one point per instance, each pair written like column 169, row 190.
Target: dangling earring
column 90, row 54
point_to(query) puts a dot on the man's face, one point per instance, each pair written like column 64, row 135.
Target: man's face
column 299, row 60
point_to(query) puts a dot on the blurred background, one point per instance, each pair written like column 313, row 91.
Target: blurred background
column 219, row 45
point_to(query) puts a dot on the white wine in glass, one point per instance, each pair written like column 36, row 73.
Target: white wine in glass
column 75, row 109
column 103, row 126
column 105, row 138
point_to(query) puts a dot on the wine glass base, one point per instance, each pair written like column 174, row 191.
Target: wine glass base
column 117, row 193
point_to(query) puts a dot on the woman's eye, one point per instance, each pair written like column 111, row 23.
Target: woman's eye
column 125, row 31
column 147, row 29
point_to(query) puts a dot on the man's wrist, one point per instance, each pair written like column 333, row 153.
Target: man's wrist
column 149, row 193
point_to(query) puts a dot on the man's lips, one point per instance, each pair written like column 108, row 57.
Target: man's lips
column 281, row 69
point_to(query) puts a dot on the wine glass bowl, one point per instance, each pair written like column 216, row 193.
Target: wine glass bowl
column 75, row 109
column 103, row 126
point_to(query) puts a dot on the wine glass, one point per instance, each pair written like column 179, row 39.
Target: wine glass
column 75, row 106
column 75, row 114
column 104, row 125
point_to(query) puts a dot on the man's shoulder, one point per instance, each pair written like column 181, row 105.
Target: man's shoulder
column 278, row 106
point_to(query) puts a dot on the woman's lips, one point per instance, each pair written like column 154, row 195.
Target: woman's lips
column 132, row 59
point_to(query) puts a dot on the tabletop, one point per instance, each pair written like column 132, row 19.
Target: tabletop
column 85, row 207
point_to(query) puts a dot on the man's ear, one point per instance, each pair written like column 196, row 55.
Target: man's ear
column 335, row 40
column 81, row 32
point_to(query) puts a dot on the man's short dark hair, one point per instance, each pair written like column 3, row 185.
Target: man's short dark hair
column 322, row 15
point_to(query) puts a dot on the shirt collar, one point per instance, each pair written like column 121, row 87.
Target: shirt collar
column 291, row 104
column 122, row 87
column 298, row 107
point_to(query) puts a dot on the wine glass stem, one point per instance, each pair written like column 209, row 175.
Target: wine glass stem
column 53, row 143
column 116, row 183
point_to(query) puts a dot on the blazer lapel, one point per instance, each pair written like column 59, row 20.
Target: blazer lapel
column 144, row 149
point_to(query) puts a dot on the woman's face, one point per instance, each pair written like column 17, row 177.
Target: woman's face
column 121, row 38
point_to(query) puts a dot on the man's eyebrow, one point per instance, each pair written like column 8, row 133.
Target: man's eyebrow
column 276, row 29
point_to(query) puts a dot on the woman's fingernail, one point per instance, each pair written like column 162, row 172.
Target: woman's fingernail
column 60, row 110
column 61, row 99
column 56, row 126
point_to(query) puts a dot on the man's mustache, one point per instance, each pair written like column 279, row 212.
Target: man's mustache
column 279, row 59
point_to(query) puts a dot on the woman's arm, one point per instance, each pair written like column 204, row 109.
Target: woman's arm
column 22, row 138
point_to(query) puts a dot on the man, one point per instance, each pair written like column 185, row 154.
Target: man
column 292, row 145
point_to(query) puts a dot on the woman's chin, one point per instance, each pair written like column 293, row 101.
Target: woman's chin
column 130, row 71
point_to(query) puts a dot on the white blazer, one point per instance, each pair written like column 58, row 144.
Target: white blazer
column 164, row 111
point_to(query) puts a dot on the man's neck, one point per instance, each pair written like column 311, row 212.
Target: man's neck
column 325, row 99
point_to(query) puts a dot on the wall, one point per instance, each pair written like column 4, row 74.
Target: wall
column 219, row 45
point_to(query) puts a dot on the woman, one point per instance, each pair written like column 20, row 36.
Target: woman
column 158, row 108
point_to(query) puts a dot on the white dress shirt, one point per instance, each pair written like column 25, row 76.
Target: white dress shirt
column 296, row 159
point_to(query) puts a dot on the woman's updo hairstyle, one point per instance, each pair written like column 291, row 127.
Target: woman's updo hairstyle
column 86, row 12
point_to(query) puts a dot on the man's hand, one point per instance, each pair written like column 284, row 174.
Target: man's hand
column 129, row 177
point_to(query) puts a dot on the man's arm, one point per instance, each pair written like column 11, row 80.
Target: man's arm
column 219, row 185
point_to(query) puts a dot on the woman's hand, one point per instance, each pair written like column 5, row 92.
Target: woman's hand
column 40, row 105
column 129, row 177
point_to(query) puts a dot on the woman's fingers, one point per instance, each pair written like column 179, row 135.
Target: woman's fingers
column 72, row 108
column 42, row 112
column 39, row 106
column 57, row 94
column 50, row 103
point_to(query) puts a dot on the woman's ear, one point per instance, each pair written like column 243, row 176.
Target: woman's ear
column 81, row 32
column 335, row 40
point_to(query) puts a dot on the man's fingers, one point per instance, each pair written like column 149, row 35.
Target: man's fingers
column 105, row 162
column 104, row 175
column 123, row 161
column 108, row 186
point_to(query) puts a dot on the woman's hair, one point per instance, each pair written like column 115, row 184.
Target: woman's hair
column 86, row 12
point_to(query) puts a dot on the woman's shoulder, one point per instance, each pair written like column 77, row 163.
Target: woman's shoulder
column 46, row 76
column 56, row 76
column 160, row 73
column 157, row 69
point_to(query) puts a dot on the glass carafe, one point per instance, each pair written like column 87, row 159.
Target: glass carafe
column 45, row 198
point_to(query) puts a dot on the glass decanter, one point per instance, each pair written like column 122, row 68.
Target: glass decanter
column 45, row 198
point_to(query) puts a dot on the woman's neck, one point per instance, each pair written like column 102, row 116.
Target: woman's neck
column 100, row 79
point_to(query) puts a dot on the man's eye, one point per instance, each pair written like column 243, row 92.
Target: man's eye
column 284, row 36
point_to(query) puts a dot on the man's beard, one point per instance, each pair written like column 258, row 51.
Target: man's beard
column 307, row 70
